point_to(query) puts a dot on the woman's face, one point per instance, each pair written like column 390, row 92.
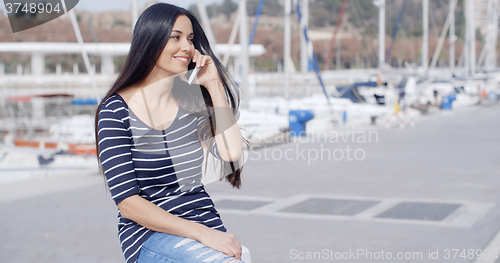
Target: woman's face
column 179, row 49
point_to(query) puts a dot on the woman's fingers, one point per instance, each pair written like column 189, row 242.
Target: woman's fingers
column 237, row 254
column 233, row 252
column 198, row 58
column 205, row 60
column 238, row 251
column 229, row 250
column 235, row 246
column 224, row 242
column 240, row 248
column 195, row 57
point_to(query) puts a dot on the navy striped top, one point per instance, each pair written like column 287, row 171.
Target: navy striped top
column 162, row 166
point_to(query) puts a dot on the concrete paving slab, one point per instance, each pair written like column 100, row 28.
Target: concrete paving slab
column 446, row 158
column 420, row 211
column 74, row 225
column 330, row 206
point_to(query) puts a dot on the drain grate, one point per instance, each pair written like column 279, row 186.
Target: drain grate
column 239, row 204
column 420, row 211
column 330, row 206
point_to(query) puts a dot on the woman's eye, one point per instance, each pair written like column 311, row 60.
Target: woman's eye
column 178, row 37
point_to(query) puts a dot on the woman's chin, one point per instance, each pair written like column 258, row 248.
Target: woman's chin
column 182, row 71
column 177, row 72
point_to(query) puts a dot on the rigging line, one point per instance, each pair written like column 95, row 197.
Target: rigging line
column 311, row 55
column 441, row 39
column 332, row 41
column 357, row 15
column 364, row 43
column 85, row 55
column 256, row 22
column 394, row 32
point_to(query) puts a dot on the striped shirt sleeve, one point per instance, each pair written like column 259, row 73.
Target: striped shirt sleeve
column 115, row 152
column 214, row 151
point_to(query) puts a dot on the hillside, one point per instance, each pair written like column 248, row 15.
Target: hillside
column 358, row 33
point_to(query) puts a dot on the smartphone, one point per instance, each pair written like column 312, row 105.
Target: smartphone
column 193, row 74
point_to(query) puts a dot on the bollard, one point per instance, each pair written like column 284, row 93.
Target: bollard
column 297, row 121
column 447, row 101
column 401, row 120
column 412, row 120
column 492, row 96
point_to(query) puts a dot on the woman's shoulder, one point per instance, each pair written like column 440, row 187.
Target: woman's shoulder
column 114, row 107
column 113, row 101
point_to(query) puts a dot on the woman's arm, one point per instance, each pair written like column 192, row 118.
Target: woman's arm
column 116, row 159
column 155, row 218
column 228, row 137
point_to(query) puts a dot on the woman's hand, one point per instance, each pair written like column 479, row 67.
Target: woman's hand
column 208, row 71
column 221, row 241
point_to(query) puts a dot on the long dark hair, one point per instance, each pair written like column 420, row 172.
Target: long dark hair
column 151, row 34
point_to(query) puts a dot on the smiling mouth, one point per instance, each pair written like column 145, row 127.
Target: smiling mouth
column 185, row 60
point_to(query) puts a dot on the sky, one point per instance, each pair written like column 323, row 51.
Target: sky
column 124, row 5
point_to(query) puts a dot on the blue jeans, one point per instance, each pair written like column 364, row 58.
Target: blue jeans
column 167, row 248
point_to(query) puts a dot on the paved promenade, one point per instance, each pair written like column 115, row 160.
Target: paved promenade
column 359, row 194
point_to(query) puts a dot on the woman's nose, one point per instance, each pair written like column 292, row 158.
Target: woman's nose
column 186, row 46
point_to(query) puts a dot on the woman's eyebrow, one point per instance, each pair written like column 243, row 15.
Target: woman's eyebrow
column 178, row 31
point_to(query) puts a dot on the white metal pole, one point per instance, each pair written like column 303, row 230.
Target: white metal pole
column 84, row 52
column 286, row 53
column 207, row 28
column 244, row 61
column 425, row 36
column 135, row 13
column 381, row 33
column 472, row 38
column 232, row 37
column 491, row 34
column 452, row 37
column 37, row 63
column 338, row 61
column 304, row 24
column 487, row 45
column 441, row 38
column 493, row 54
column 482, row 55
column 466, row 50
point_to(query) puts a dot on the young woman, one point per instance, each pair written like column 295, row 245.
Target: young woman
column 151, row 128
